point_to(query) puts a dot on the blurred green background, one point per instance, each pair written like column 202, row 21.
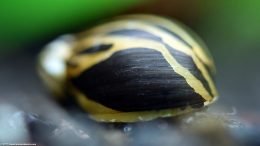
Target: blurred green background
column 231, row 29
column 23, row 22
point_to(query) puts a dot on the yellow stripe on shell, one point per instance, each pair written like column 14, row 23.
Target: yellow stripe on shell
column 123, row 43
column 140, row 116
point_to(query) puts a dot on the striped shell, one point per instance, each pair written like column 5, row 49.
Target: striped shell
column 139, row 67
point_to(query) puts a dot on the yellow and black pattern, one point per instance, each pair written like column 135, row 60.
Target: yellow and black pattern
column 140, row 67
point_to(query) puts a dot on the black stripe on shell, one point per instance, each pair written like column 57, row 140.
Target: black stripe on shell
column 136, row 79
column 95, row 49
column 135, row 33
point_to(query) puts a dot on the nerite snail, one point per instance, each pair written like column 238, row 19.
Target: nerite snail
column 133, row 68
